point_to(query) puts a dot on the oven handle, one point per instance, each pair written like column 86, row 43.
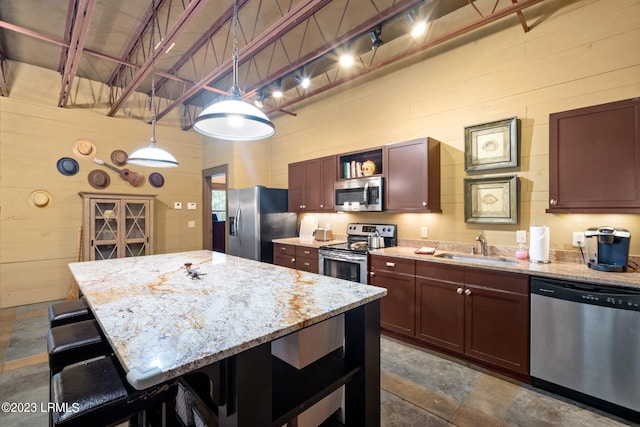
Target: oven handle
column 338, row 256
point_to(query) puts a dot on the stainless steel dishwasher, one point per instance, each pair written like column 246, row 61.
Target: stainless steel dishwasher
column 585, row 344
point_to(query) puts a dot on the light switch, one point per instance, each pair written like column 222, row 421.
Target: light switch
column 177, row 205
column 521, row 236
column 191, row 205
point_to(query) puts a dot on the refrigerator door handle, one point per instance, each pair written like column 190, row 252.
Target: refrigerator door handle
column 237, row 224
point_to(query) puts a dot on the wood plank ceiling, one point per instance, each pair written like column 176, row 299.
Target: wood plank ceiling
column 279, row 42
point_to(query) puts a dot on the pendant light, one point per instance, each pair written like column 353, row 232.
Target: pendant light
column 234, row 119
column 153, row 156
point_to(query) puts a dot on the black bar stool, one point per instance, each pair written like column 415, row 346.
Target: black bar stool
column 73, row 343
column 97, row 393
column 71, row 311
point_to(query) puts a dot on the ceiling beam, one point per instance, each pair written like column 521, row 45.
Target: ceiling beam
column 83, row 13
column 494, row 16
column 190, row 12
column 277, row 30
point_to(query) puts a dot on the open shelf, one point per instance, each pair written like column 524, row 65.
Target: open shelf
column 350, row 162
column 298, row 390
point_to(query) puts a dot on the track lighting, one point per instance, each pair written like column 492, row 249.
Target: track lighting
column 277, row 92
column 302, row 80
column 418, row 25
column 260, row 101
column 376, row 41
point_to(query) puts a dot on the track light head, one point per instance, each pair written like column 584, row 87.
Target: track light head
column 376, row 41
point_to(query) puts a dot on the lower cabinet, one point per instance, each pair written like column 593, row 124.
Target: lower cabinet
column 397, row 308
column 481, row 314
column 293, row 256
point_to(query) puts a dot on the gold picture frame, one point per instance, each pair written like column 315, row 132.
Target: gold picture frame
column 491, row 200
column 491, row 145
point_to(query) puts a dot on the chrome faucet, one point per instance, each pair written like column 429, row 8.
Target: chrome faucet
column 484, row 248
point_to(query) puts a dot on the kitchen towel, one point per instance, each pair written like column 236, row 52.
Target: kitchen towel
column 539, row 250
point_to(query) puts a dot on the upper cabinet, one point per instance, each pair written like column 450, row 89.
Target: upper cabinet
column 311, row 185
column 412, row 171
column 594, row 159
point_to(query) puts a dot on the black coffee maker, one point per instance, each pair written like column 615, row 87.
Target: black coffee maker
column 607, row 248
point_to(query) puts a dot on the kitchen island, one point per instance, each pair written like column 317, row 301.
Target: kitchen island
column 169, row 315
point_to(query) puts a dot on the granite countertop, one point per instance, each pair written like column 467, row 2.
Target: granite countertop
column 162, row 323
column 307, row 242
column 556, row 270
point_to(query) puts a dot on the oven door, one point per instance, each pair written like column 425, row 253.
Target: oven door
column 343, row 265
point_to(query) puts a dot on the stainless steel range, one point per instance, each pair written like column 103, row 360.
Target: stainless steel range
column 349, row 260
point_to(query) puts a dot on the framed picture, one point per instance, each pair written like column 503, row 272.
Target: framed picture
column 491, row 145
column 491, row 200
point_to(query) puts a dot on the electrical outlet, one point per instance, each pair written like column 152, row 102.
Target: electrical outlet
column 191, row 205
column 177, row 205
column 191, row 224
column 424, row 232
column 578, row 236
column 521, row 236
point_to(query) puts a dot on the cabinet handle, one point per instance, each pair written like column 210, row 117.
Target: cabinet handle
column 424, row 203
column 467, row 292
column 307, row 252
column 459, row 291
column 282, row 248
column 293, row 260
column 371, row 273
column 301, row 206
column 307, row 264
column 391, row 264
column 553, row 202
column 321, row 206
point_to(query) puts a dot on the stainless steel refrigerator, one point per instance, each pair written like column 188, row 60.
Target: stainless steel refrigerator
column 256, row 216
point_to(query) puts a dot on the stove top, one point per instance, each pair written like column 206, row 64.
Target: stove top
column 358, row 235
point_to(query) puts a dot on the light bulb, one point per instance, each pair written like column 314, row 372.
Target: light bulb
column 235, row 120
column 418, row 29
column 346, row 60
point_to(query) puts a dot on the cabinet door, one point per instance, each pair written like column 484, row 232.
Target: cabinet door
column 397, row 308
column 104, row 228
column 136, row 231
column 284, row 255
column 412, row 171
column 440, row 313
column 497, row 327
column 594, row 159
column 312, row 185
column 296, row 187
column 329, row 177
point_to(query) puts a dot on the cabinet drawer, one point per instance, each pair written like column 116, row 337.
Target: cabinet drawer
column 393, row 264
column 307, row 252
column 307, row 264
column 444, row 272
column 510, row 282
column 281, row 248
column 284, row 260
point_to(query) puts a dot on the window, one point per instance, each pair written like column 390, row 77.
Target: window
column 219, row 205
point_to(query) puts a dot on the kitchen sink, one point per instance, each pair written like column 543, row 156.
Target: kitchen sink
column 477, row 258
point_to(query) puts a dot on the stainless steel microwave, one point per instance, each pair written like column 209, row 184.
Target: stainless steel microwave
column 359, row 194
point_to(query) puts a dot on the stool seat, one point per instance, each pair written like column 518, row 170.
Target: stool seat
column 96, row 393
column 75, row 342
column 67, row 312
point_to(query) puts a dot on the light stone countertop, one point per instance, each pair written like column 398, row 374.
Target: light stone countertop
column 556, row 270
column 162, row 323
column 311, row 243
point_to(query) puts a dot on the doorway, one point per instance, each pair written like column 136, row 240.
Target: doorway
column 214, row 194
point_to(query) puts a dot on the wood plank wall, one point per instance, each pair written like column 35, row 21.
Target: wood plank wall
column 578, row 53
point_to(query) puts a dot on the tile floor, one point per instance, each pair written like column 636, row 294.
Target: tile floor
column 419, row 388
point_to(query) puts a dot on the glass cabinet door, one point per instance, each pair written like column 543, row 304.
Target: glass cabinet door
column 104, row 232
column 135, row 228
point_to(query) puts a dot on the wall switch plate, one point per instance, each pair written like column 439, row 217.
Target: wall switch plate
column 191, row 205
column 177, row 205
column 424, row 232
column 191, row 224
column 578, row 236
column 521, row 236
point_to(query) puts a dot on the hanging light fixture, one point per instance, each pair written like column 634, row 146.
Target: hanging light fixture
column 234, row 119
column 153, row 156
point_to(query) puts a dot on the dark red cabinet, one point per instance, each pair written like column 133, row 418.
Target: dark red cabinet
column 311, row 185
column 397, row 308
